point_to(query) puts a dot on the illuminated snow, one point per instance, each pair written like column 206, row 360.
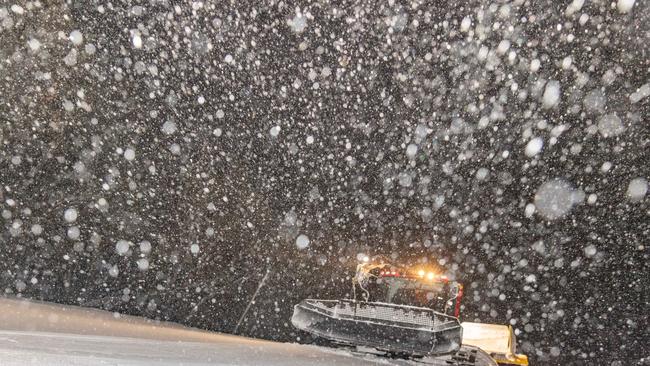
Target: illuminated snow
column 213, row 134
column 590, row 250
column 624, row 6
column 610, row 125
column 113, row 271
column 136, row 40
column 465, row 24
column 574, row 7
column 529, row 210
column 405, row 179
column 641, row 93
column 411, row 150
column 70, row 214
column 122, row 247
column 145, row 246
column 37, row 229
column 594, row 101
column 482, row 173
column 534, row 146
column 298, row 23
column 606, row 167
column 129, row 154
column 73, row 232
column 535, row 64
column 503, row 47
column 143, row 264
column 76, row 37
column 551, row 95
column 637, row 189
column 555, row 198
column 34, row 44
column 592, row 198
column 17, row 9
column 169, row 127
column 302, row 241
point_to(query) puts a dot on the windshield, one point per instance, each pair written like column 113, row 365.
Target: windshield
column 410, row 292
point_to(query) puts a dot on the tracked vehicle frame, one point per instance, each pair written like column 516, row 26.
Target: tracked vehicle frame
column 395, row 328
column 407, row 312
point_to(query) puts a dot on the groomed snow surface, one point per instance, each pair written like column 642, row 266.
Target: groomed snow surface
column 35, row 333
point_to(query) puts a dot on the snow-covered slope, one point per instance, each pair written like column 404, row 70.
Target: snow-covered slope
column 34, row 333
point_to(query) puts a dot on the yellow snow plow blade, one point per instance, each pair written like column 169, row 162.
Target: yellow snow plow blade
column 497, row 340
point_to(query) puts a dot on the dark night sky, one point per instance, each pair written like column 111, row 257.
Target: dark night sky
column 506, row 141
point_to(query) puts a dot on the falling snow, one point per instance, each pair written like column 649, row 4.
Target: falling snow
column 555, row 198
column 129, row 154
column 534, row 146
column 70, row 215
column 122, row 247
column 610, row 125
column 302, row 241
column 143, row 264
column 136, row 40
column 164, row 159
column 637, row 189
column 551, row 94
column 624, row 6
column 76, row 37
column 298, row 23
